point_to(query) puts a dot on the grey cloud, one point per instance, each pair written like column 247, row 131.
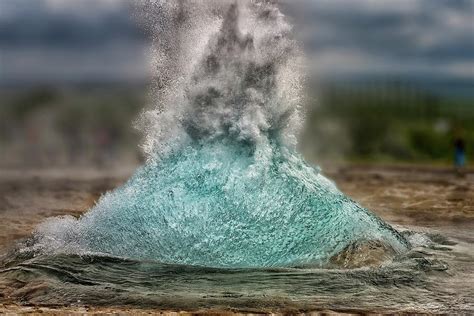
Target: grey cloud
column 61, row 40
column 34, row 24
column 114, row 63
column 415, row 37
column 420, row 34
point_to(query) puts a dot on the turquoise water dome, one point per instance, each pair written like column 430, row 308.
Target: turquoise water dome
column 217, row 205
column 232, row 192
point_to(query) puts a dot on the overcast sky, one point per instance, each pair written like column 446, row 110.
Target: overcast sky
column 78, row 40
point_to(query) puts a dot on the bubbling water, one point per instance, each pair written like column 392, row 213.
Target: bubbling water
column 223, row 185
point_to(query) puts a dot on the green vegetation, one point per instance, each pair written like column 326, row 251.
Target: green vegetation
column 45, row 126
column 387, row 123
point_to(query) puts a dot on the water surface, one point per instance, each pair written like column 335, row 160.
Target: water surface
column 433, row 277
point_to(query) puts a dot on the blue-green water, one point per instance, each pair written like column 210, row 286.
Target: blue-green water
column 223, row 205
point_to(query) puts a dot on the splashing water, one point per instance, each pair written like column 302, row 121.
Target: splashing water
column 223, row 185
column 226, row 70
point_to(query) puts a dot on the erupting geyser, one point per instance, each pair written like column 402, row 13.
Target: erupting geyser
column 223, row 185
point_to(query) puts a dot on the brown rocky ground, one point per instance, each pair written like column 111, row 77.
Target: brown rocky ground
column 430, row 197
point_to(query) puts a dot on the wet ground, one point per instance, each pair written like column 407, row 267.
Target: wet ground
column 434, row 201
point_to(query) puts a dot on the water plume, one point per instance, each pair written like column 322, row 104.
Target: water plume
column 225, row 69
column 223, row 185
